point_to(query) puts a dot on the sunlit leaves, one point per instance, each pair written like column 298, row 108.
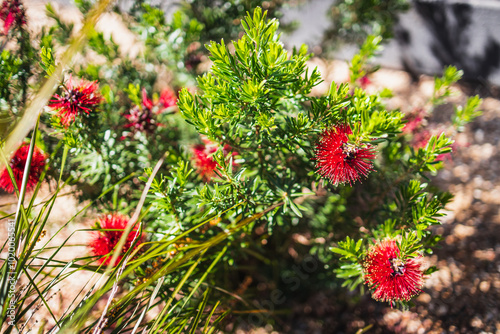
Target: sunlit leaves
column 467, row 113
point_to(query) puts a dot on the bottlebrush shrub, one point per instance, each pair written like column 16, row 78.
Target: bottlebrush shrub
column 16, row 64
column 139, row 106
column 134, row 124
column 272, row 138
column 257, row 100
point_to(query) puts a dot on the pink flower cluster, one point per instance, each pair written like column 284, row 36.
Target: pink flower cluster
column 11, row 12
column 142, row 118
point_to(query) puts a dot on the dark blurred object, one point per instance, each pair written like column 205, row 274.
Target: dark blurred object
column 354, row 20
column 221, row 19
column 464, row 34
column 452, row 28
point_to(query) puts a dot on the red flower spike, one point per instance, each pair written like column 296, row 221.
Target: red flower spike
column 392, row 277
column 364, row 81
column 17, row 164
column 12, row 12
column 203, row 161
column 167, row 99
column 141, row 119
column 146, row 102
column 341, row 161
column 414, row 121
column 104, row 242
column 76, row 100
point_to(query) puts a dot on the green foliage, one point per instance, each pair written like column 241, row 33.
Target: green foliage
column 443, row 84
column 16, row 68
column 9, row 66
column 369, row 118
column 348, row 249
column 48, row 62
column 170, row 202
column 425, row 158
column 420, row 209
column 168, row 44
column 350, row 270
column 254, row 121
column 468, row 113
column 64, row 30
column 107, row 48
column 368, row 50
column 84, row 5
column 354, row 20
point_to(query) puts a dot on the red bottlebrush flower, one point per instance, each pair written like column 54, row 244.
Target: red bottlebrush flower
column 392, row 277
column 104, row 242
column 141, row 118
column 364, row 81
column 420, row 139
column 76, row 100
column 341, row 161
column 415, row 120
column 203, row 161
column 167, row 99
column 17, row 164
column 12, row 11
